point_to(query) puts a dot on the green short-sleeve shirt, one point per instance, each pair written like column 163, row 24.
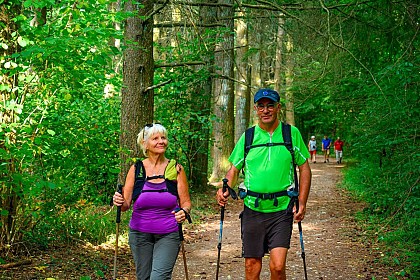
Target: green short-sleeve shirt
column 269, row 169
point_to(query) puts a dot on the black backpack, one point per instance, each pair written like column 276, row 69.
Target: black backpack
column 140, row 178
column 287, row 137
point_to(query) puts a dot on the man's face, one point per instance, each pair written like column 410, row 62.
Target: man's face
column 267, row 110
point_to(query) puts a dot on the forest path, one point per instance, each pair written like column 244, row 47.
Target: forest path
column 333, row 243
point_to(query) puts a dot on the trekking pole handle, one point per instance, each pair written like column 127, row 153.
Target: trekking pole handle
column 225, row 185
column 181, row 233
column 187, row 215
column 118, row 219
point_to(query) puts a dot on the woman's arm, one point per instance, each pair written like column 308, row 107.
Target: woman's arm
column 183, row 193
column 124, row 199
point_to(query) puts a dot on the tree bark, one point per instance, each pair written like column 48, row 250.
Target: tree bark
column 256, row 76
column 279, row 57
column 223, row 95
column 200, row 159
column 10, row 189
column 290, row 112
column 243, row 91
column 137, row 102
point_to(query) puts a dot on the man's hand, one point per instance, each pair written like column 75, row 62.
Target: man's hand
column 299, row 215
column 221, row 197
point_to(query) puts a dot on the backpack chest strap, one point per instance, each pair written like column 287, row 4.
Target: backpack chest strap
column 159, row 191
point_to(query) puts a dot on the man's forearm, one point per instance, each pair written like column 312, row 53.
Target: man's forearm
column 305, row 175
column 232, row 176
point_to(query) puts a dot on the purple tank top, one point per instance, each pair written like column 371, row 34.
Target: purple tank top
column 152, row 210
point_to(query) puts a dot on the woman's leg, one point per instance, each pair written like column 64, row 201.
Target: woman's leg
column 141, row 245
column 164, row 256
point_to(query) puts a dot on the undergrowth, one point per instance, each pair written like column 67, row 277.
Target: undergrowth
column 97, row 225
column 391, row 217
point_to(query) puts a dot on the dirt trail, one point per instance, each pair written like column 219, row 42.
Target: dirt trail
column 332, row 244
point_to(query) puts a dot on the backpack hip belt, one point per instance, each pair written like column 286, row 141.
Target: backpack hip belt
column 273, row 196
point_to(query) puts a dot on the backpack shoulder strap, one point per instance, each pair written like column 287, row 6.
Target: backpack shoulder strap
column 171, row 174
column 139, row 171
column 249, row 138
column 139, row 178
column 287, row 137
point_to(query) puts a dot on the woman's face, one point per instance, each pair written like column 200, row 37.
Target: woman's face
column 157, row 143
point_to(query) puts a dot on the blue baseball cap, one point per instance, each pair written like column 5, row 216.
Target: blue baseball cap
column 266, row 93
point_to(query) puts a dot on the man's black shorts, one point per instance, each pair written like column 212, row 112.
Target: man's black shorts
column 262, row 232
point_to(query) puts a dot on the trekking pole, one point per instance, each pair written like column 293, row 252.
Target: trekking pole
column 222, row 216
column 301, row 242
column 117, row 232
column 181, row 237
column 184, row 258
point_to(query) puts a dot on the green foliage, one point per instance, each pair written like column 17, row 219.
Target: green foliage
column 178, row 103
column 61, row 132
column 367, row 94
column 86, row 222
column 356, row 77
column 392, row 214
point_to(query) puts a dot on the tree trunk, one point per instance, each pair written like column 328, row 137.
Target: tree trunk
column 10, row 188
column 243, row 91
column 137, row 100
column 115, row 42
column 223, row 95
column 290, row 111
column 279, row 61
column 200, row 159
column 256, row 77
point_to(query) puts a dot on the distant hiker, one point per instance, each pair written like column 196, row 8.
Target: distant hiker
column 338, row 147
column 312, row 149
column 267, row 219
column 160, row 187
column 326, row 144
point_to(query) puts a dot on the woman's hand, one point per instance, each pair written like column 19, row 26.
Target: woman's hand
column 118, row 199
column 180, row 215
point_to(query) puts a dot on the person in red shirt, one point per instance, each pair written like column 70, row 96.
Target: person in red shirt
column 338, row 147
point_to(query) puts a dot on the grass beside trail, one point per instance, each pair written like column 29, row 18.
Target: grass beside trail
column 391, row 218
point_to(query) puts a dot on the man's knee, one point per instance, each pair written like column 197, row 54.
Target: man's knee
column 253, row 266
column 278, row 268
column 278, row 263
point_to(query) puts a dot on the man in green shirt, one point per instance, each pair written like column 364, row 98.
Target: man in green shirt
column 267, row 219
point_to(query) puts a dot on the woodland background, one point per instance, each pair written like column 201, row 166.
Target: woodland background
column 79, row 79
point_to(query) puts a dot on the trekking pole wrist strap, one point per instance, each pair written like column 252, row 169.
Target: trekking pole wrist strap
column 232, row 192
column 187, row 215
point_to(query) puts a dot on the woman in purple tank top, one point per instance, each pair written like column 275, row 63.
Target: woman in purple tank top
column 153, row 237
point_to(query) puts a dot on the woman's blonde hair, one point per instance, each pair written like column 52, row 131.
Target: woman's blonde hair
column 148, row 131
